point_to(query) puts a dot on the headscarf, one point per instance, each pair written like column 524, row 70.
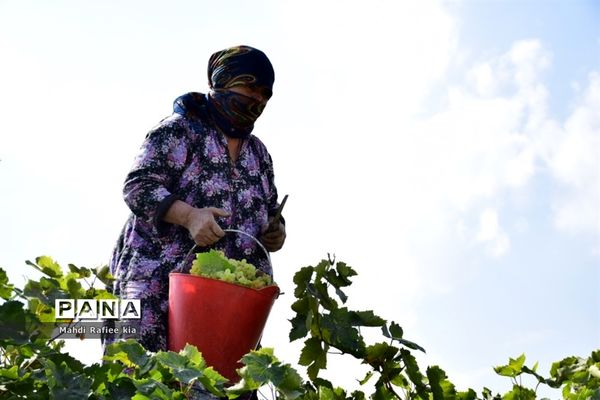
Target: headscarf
column 240, row 66
column 233, row 113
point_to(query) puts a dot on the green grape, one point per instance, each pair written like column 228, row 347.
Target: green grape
column 244, row 281
column 214, row 264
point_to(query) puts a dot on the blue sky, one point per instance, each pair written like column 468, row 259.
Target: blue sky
column 448, row 151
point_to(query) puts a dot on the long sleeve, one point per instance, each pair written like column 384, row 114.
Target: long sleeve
column 272, row 196
column 149, row 185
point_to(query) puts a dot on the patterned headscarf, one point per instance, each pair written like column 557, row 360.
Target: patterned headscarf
column 240, row 66
column 233, row 113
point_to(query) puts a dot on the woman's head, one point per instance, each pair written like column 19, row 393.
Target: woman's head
column 242, row 66
column 241, row 82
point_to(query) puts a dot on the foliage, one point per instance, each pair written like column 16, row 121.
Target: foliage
column 33, row 365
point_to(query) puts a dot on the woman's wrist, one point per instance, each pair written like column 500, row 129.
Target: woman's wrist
column 179, row 213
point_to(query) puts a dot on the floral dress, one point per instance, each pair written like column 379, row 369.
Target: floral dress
column 186, row 158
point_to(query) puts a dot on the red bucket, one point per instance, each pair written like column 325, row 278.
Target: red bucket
column 223, row 320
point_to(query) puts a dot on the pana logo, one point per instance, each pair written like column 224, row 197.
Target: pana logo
column 78, row 309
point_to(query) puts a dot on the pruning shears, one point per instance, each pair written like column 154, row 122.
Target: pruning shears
column 275, row 221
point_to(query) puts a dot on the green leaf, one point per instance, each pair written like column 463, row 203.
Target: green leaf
column 486, row 393
column 366, row 378
column 287, row 381
column 519, row 393
column 338, row 331
column 192, row 353
column 64, row 383
column 301, row 306
column 505, row 370
column 319, row 290
column 468, row 395
column 321, row 269
column 81, row 272
column 395, row 331
column 17, row 323
column 366, row 318
column 67, row 360
column 311, row 351
column 436, row 376
column 400, row 381
column 301, row 279
column 518, row 363
column 344, row 271
column 358, row 395
column 342, row 296
column 104, row 275
column 211, row 262
column 153, row 389
column 102, row 294
column 412, row 370
column 171, row 359
column 70, row 284
column 102, row 374
column 381, row 392
column 327, row 393
column 442, row 388
column 179, row 366
column 48, row 266
column 6, row 288
column 379, row 353
column 46, row 290
column 410, row 345
column 212, row 381
column 129, row 352
column 513, row 368
column 256, row 365
column 337, row 281
column 313, row 355
column 299, row 327
column 121, row 388
column 10, row 373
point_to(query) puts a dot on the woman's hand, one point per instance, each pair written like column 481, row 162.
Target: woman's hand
column 273, row 238
column 203, row 227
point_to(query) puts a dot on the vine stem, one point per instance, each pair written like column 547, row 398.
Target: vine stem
column 389, row 387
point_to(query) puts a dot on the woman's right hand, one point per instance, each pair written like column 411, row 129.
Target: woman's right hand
column 203, row 227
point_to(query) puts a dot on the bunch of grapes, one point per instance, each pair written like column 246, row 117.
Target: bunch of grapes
column 214, row 264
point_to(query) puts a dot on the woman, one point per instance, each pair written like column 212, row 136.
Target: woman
column 198, row 172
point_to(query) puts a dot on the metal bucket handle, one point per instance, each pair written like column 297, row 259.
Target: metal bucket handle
column 187, row 259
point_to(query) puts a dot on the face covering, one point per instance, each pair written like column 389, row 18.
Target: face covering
column 233, row 113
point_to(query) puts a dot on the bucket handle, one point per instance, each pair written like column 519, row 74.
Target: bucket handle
column 187, row 259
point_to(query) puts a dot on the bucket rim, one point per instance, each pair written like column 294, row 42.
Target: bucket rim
column 192, row 276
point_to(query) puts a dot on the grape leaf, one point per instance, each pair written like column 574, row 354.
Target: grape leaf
column 209, row 263
column 301, row 279
column 6, row 289
column 48, row 266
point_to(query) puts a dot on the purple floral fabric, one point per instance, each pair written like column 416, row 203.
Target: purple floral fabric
column 186, row 158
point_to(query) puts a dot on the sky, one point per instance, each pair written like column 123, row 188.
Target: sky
column 448, row 151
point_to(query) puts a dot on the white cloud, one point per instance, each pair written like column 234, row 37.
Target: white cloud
column 484, row 79
column 495, row 136
column 575, row 162
column 529, row 58
column 490, row 233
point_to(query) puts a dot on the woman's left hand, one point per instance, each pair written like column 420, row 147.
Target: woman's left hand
column 273, row 239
